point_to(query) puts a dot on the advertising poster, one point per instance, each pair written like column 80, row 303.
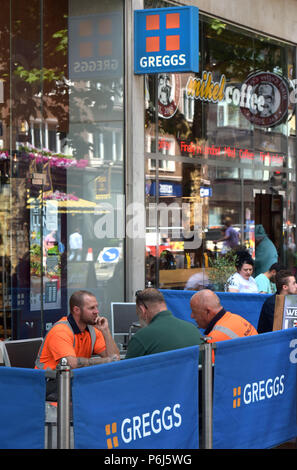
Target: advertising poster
column 45, row 258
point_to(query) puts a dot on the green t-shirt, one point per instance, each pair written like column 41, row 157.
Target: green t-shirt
column 164, row 333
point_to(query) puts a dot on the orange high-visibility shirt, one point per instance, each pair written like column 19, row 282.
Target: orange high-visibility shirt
column 230, row 326
column 62, row 341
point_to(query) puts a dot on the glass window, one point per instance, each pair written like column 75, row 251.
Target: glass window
column 232, row 125
column 62, row 158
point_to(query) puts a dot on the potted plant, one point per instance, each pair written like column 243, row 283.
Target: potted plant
column 221, row 268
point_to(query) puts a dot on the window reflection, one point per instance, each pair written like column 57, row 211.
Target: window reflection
column 61, row 156
column 218, row 121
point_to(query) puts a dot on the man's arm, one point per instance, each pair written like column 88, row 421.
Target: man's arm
column 111, row 348
column 76, row 362
column 135, row 348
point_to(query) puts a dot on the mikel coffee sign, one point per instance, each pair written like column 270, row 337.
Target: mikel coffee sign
column 166, row 40
column 263, row 98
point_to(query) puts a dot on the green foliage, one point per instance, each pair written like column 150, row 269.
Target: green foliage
column 37, row 75
column 218, row 26
column 62, row 35
column 222, row 268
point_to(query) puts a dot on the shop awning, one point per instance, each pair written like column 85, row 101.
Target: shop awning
column 64, row 205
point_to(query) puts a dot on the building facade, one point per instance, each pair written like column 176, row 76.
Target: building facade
column 111, row 181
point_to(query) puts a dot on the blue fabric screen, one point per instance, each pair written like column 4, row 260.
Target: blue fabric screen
column 149, row 402
column 22, row 408
column 247, row 305
column 255, row 391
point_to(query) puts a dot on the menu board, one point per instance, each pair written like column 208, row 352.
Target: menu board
column 285, row 312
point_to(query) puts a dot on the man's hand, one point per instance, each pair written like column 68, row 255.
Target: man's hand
column 101, row 324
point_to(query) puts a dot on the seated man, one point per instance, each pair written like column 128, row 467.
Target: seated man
column 218, row 324
column 160, row 331
column 77, row 337
column 285, row 285
column 266, row 281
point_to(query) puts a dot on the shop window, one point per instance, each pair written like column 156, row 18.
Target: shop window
column 237, row 144
column 66, row 174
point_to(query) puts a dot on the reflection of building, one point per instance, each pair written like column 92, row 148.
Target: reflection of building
column 134, row 160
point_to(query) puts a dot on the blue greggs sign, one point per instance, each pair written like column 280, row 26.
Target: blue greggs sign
column 166, row 40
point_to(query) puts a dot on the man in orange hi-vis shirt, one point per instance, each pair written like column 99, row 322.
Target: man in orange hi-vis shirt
column 83, row 338
column 218, row 324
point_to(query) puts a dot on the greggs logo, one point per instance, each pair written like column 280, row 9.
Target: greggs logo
column 166, row 40
column 172, row 42
column 112, row 438
column 142, row 426
column 93, row 45
column 258, row 391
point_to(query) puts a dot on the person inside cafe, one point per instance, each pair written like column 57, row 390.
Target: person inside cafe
column 285, row 285
column 160, row 330
column 265, row 251
column 266, row 281
column 230, row 236
column 242, row 280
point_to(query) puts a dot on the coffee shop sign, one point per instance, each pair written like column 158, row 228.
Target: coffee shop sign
column 263, row 98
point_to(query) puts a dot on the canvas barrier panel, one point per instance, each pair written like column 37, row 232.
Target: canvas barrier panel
column 149, row 402
column 254, row 401
column 247, row 305
column 22, row 408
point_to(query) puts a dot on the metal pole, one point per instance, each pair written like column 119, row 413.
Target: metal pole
column 207, row 396
column 63, row 412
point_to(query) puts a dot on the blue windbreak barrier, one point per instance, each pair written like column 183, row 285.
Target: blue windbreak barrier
column 247, row 305
column 255, row 391
column 22, row 408
column 149, row 402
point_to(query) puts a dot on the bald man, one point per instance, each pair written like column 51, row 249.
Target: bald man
column 218, row 324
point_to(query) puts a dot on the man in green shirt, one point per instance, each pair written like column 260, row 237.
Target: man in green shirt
column 160, row 331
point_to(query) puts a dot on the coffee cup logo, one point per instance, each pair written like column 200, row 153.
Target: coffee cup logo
column 168, row 94
column 273, row 96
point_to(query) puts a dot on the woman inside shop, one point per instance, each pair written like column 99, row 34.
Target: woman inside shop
column 242, row 280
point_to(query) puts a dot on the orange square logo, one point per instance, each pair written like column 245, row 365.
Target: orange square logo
column 85, row 28
column 172, row 20
column 85, row 49
column 172, row 43
column 112, row 441
column 153, row 44
column 104, row 48
column 105, row 26
column 152, row 22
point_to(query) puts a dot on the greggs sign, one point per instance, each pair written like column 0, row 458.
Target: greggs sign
column 166, row 40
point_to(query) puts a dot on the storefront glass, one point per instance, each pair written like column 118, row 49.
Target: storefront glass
column 62, row 159
column 226, row 148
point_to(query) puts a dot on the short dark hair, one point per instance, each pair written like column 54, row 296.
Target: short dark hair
column 149, row 295
column 281, row 279
column 77, row 298
column 275, row 266
column 242, row 257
